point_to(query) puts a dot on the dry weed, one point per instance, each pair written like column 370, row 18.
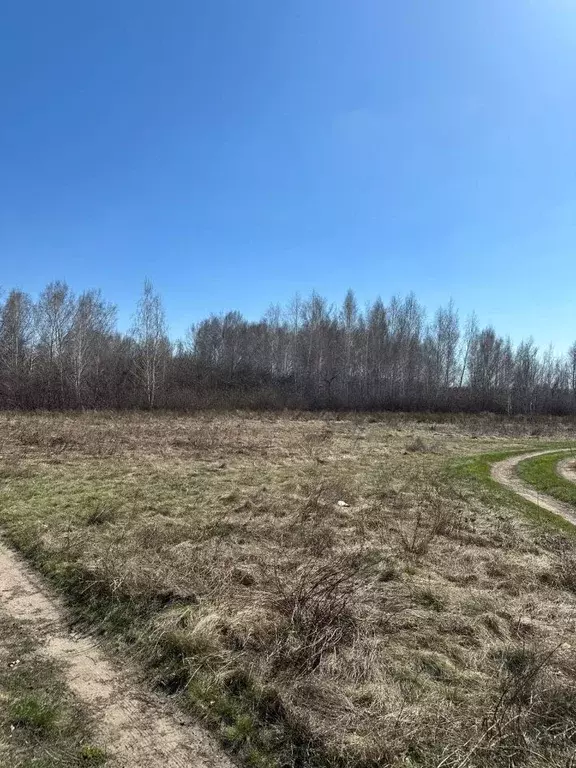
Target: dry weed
column 316, row 604
column 434, row 517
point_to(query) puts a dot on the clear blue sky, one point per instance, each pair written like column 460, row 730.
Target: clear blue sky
column 236, row 152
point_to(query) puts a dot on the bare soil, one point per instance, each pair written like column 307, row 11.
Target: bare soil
column 138, row 728
column 504, row 472
column 567, row 469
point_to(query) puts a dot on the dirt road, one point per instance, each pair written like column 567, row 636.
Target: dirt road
column 504, row 472
column 137, row 728
column 567, row 469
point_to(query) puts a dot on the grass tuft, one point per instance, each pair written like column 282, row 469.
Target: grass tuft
column 92, row 755
column 34, row 713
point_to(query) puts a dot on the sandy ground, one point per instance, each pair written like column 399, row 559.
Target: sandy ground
column 567, row 469
column 136, row 728
column 504, row 472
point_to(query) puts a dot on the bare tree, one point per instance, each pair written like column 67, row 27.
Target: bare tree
column 376, row 351
column 16, row 350
column 446, row 337
column 92, row 326
column 54, row 318
column 350, row 319
column 484, row 363
column 153, row 348
column 470, row 334
column 65, row 352
column 572, row 366
column 526, row 371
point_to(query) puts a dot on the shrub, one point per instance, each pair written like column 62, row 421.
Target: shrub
column 316, row 606
column 433, row 518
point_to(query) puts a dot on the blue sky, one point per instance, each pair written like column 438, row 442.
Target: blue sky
column 237, row 152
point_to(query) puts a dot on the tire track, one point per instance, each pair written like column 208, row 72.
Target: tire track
column 567, row 469
column 137, row 728
column 504, row 473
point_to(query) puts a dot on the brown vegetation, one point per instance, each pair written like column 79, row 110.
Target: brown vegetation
column 312, row 589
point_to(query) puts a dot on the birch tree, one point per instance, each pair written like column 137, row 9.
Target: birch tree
column 16, row 350
column 92, row 325
column 151, row 335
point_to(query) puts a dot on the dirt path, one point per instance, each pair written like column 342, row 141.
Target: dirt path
column 137, row 729
column 567, row 469
column 504, row 472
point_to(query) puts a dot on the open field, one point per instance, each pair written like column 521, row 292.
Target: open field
column 316, row 590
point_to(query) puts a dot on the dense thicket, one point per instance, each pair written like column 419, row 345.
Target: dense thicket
column 64, row 351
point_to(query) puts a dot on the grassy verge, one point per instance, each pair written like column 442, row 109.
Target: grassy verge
column 40, row 723
column 475, row 470
column 541, row 473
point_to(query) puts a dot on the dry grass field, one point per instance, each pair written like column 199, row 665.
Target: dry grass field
column 318, row 590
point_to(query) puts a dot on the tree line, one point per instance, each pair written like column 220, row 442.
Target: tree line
column 64, row 351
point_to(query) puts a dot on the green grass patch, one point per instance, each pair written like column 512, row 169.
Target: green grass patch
column 41, row 723
column 34, row 712
column 541, row 473
column 91, row 755
column 475, row 471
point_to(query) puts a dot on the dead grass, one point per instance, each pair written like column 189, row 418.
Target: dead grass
column 317, row 591
column 314, row 604
column 418, row 446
